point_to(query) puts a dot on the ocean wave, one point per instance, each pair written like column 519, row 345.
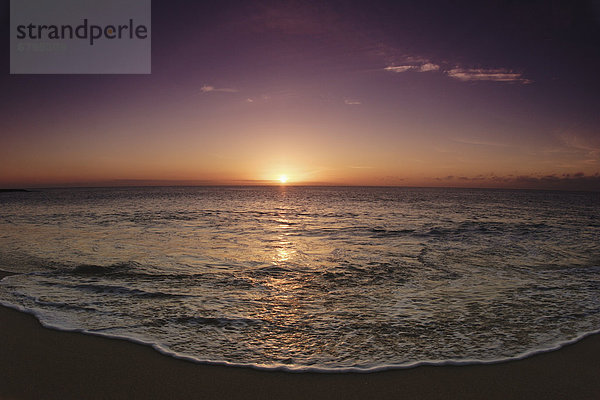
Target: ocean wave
column 121, row 290
column 216, row 321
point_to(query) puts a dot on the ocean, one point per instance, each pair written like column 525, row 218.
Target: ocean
column 309, row 278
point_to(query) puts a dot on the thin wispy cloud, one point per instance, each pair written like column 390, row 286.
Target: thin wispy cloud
column 352, row 102
column 477, row 142
column 418, row 64
column 584, row 150
column 487, row 74
column 294, row 18
column 422, row 67
column 580, row 143
column 208, row 89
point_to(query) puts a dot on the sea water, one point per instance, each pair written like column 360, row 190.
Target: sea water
column 309, row 278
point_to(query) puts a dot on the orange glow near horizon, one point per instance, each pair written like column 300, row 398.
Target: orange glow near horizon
column 312, row 149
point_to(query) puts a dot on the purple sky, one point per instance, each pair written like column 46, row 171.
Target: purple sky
column 504, row 94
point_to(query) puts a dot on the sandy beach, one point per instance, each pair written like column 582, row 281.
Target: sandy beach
column 36, row 362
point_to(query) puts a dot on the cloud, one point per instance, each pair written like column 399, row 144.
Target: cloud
column 399, row 68
column 477, row 142
column 391, row 180
column 352, row 102
column 582, row 145
column 429, row 67
column 423, row 66
column 208, row 89
column 574, row 150
column 418, row 64
column 294, row 18
column 575, row 181
column 487, row 74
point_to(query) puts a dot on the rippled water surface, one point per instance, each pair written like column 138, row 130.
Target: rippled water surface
column 323, row 278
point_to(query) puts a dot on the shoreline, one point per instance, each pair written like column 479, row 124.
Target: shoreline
column 305, row 369
column 38, row 362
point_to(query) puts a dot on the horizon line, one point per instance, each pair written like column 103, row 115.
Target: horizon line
column 275, row 184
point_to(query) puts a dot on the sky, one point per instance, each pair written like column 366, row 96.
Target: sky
column 411, row 93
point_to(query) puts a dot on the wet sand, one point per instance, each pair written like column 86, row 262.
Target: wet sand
column 36, row 362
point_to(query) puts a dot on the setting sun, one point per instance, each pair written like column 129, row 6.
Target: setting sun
column 283, row 178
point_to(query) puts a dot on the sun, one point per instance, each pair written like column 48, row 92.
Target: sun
column 283, row 178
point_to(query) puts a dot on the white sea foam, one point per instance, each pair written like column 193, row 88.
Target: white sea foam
column 300, row 368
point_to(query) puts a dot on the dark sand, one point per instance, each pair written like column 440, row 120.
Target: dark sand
column 39, row 363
